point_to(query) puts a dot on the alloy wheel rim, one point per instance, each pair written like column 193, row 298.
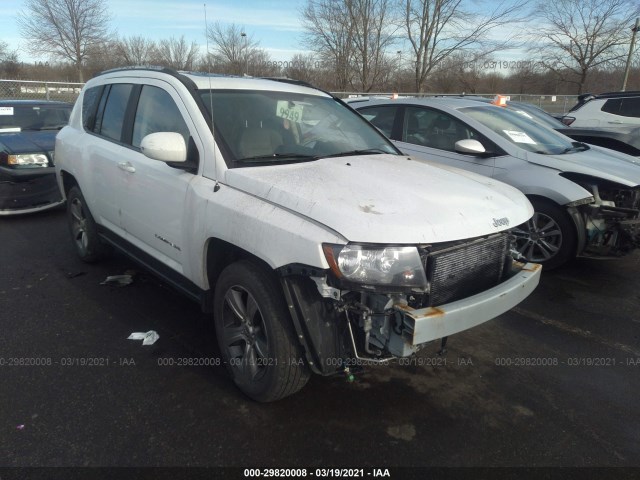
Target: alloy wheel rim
column 539, row 239
column 244, row 335
column 79, row 225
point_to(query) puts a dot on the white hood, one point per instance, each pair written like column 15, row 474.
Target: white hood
column 387, row 198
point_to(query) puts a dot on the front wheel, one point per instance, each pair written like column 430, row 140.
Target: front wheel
column 84, row 231
column 255, row 333
column 548, row 237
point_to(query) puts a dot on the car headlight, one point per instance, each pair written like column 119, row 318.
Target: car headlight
column 28, row 160
column 376, row 265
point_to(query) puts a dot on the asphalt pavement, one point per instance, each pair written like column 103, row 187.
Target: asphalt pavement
column 553, row 383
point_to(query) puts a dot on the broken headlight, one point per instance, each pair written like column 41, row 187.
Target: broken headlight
column 395, row 266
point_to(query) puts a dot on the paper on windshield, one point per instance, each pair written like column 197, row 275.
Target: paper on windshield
column 6, row 110
column 519, row 137
column 289, row 110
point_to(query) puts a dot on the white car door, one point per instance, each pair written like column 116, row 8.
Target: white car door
column 154, row 198
column 105, row 174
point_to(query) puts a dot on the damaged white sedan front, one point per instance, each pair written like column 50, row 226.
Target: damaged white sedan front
column 586, row 198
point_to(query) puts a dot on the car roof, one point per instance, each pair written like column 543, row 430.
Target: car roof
column 29, row 102
column 206, row 81
column 634, row 93
column 437, row 102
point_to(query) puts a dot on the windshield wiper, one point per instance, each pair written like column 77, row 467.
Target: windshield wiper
column 576, row 147
column 296, row 157
column 53, row 127
column 370, row 151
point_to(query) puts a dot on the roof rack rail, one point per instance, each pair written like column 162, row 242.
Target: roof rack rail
column 619, row 94
column 292, row 81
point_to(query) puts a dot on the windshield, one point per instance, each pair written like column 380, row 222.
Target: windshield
column 534, row 113
column 522, row 131
column 265, row 127
column 33, row 117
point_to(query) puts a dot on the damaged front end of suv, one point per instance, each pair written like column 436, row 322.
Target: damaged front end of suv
column 608, row 222
column 376, row 303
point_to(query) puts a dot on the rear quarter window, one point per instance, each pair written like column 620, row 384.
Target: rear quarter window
column 381, row 117
column 90, row 105
column 630, row 107
column 612, row 106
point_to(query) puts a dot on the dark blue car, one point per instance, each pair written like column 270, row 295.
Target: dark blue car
column 28, row 130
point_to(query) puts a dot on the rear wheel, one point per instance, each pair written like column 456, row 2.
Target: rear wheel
column 548, row 237
column 256, row 335
column 84, row 232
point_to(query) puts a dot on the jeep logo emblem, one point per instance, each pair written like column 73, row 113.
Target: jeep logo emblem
column 501, row 222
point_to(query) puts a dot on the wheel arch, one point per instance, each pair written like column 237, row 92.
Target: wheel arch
column 218, row 255
column 68, row 182
column 571, row 213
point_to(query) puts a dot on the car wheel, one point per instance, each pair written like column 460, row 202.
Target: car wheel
column 84, row 232
column 549, row 237
column 255, row 333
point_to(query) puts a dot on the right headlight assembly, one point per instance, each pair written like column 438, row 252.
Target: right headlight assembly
column 377, row 265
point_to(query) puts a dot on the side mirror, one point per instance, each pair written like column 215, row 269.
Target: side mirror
column 165, row 147
column 473, row 147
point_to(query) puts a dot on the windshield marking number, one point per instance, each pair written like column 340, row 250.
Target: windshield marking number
column 291, row 112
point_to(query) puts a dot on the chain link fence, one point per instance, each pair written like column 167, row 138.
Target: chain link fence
column 68, row 92
column 35, row 90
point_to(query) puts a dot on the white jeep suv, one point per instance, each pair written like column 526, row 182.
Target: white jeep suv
column 312, row 241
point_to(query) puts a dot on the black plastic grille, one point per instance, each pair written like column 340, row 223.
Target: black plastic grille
column 466, row 269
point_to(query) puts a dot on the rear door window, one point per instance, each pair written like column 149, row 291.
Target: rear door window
column 114, row 111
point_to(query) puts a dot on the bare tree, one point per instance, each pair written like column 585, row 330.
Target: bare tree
column 330, row 34
column 9, row 62
column 64, row 29
column 4, row 50
column 176, row 53
column 578, row 36
column 302, row 67
column 438, row 28
column 372, row 36
column 135, row 50
column 233, row 47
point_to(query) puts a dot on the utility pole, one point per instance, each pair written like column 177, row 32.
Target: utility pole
column 628, row 67
column 398, row 71
column 246, row 52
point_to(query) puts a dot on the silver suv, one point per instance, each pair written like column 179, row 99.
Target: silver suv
column 312, row 241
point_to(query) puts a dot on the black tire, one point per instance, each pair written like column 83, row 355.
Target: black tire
column 256, row 335
column 84, row 232
column 549, row 237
